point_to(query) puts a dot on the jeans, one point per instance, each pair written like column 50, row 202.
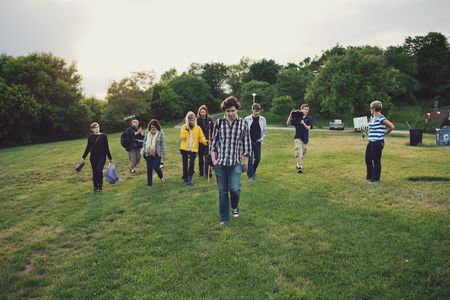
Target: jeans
column 228, row 180
column 373, row 160
column 185, row 156
column 153, row 163
column 256, row 154
column 97, row 165
column 203, row 160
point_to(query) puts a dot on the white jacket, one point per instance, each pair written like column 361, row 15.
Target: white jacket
column 262, row 124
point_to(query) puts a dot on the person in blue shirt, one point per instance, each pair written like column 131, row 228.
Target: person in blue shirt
column 378, row 127
column 301, row 138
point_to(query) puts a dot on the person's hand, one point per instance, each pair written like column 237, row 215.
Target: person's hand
column 214, row 161
column 81, row 160
column 245, row 167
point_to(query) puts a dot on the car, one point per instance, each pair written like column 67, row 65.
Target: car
column 336, row 125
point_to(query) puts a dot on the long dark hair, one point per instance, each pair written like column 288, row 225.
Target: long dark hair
column 155, row 123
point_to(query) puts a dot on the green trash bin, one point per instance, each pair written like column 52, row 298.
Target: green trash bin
column 415, row 136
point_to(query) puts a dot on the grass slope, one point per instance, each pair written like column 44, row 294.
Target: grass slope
column 323, row 234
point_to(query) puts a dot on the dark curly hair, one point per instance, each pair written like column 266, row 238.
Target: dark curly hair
column 229, row 102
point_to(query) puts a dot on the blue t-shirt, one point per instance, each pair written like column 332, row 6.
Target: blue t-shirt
column 376, row 129
column 301, row 132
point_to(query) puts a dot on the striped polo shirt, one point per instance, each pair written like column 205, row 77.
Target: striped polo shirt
column 376, row 129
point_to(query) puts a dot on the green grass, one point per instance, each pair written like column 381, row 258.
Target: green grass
column 324, row 234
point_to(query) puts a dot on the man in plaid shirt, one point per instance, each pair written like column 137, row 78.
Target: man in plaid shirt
column 230, row 140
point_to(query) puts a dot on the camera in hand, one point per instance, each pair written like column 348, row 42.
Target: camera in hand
column 296, row 117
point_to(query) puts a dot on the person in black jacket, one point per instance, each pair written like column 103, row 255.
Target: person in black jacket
column 97, row 145
column 206, row 123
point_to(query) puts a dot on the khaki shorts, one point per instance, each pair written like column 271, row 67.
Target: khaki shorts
column 300, row 148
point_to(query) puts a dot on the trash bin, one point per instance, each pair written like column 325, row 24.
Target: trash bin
column 443, row 136
column 415, row 136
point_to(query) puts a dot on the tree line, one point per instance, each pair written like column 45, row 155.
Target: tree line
column 41, row 98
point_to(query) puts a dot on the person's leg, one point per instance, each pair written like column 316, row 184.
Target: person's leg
column 157, row 166
column 131, row 158
column 369, row 164
column 256, row 147
column 184, row 158
column 201, row 159
column 377, row 151
column 192, row 156
column 222, row 182
column 93, row 162
column 250, row 170
column 298, row 153
column 149, row 160
column 234, row 184
column 100, row 166
column 137, row 157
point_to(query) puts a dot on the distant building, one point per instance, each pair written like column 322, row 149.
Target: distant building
column 439, row 116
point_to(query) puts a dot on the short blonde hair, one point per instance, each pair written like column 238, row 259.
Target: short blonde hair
column 190, row 115
column 376, row 105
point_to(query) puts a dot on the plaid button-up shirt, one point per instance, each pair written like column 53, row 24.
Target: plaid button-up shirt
column 230, row 141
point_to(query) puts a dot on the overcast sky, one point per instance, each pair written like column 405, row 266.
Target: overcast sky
column 109, row 39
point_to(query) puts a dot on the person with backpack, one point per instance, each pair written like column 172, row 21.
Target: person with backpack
column 206, row 123
column 97, row 145
column 154, row 150
column 132, row 140
column 191, row 135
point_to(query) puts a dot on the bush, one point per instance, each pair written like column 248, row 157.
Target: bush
column 282, row 105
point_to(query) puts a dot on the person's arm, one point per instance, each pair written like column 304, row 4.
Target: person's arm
column 88, row 148
column 184, row 132
column 308, row 127
column 202, row 138
column 214, row 143
column 288, row 122
column 108, row 153
column 247, row 145
column 389, row 126
column 264, row 129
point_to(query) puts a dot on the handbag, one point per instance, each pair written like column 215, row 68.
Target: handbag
column 79, row 166
column 111, row 175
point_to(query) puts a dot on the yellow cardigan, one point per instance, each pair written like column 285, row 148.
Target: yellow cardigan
column 197, row 137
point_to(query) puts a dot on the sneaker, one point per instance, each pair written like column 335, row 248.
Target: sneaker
column 163, row 179
column 190, row 180
column 251, row 178
column 222, row 223
column 235, row 212
column 185, row 181
column 161, row 166
column 299, row 170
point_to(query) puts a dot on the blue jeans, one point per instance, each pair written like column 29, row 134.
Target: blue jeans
column 256, row 154
column 373, row 160
column 228, row 180
column 153, row 163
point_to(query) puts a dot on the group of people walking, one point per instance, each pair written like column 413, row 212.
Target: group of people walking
column 231, row 145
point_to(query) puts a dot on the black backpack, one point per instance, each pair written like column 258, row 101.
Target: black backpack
column 125, row 140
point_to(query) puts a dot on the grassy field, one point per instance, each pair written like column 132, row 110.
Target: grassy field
column 325, row 234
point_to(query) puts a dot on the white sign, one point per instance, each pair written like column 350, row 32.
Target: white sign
column 360, row 122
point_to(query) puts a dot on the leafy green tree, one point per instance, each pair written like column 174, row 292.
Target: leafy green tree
column 433, row 58
column 55, row 86
column 347, row 83
column 192, row 91
column 168, row 75
column 283, row 105
column 293, row 81
column 126, row 98
column 95, row 109
column 165, row 104
column 235, row 77
column 406, row 63
column 215, row 75
column 264, row 94
column 264, row 70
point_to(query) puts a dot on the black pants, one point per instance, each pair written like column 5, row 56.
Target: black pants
column 97, row 164
column 188, row 156
column 373, row 160
column 203, row 160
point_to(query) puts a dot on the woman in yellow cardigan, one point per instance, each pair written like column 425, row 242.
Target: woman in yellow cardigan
column 190, row 135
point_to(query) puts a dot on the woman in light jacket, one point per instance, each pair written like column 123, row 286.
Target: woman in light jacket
column 153, row 150
column 190, row 136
